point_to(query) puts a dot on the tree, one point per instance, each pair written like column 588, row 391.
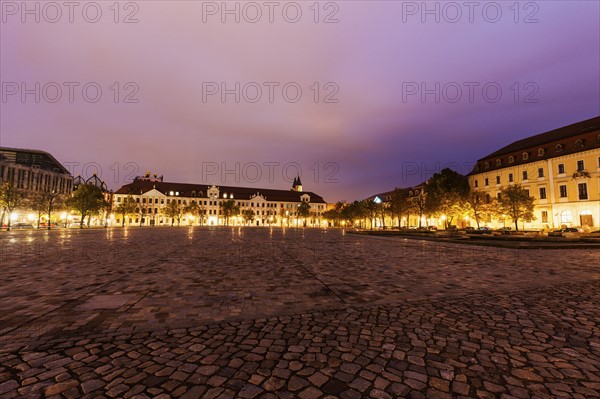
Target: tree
column 174, row 211
column 86, row 200
column 398, row 204
column 11, row 198
column 248, row 215
column 303, row 211
column 445, row 194
column 515, row 202
column 229, row 209
column 38, row 204
column 477, row 206
column 127, row 207
column 418, row 205
column 371, row 210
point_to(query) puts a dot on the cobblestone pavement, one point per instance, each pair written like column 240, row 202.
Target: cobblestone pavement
column 209, row 313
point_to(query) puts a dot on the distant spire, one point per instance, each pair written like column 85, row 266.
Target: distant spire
column 298, row 182
column 295, row 183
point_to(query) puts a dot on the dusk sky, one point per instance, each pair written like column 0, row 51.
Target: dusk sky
column 544, row 57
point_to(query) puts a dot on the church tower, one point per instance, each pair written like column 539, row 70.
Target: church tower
column 297, row 185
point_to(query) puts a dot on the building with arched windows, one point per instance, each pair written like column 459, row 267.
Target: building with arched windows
column 559, row 168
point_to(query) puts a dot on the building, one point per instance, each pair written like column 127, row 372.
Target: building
column 270, row 207
column 561, row 170
column 34, row 171
column 412, row 217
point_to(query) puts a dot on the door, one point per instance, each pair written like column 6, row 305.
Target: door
column 586, row 220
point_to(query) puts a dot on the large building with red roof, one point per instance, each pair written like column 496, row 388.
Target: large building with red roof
column 268, row 206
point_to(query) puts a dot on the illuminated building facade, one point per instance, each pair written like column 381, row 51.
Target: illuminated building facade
column 269, row 207
column 559, row 168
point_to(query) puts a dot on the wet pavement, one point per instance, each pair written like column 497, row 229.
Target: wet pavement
column 230, row 312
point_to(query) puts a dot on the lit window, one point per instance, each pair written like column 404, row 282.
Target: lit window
column 566, row 217
column 171, row 193
column 224, row 195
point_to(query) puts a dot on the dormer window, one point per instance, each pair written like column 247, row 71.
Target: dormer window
column 511, row 159
column 525, row 156
column 579, row 144
column 498, row 162
column 541, row 152
column 560, row 147
column 224, row 195
column 487, row 165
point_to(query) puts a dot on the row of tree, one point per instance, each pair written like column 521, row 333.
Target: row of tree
column 446, row 195
column 176, row 211
column 87, row 200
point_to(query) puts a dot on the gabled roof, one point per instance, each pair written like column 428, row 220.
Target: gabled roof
column 200, row 190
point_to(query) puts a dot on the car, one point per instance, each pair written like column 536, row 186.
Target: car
column 22, row 226
column 481, row 230
column 560, row 232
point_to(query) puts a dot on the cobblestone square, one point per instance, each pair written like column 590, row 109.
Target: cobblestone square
column 292, row 313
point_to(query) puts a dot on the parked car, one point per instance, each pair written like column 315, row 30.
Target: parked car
column 482, row 230
column 559, row 233
column 22, row 226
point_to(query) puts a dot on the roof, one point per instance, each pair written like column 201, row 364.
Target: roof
column 199, row 190
column 407, row 191
column 29, row 157
column 562, row 133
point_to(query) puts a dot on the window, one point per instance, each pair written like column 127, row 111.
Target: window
column 544, row 216
column 559, row 147
column 118, row 199
column 525, row 156
column 541, row 152
column 563, row 191
column 476, row 183
column 524, row 175
column 498, row 162
column 498, row 195
column 487, row 183
column 540, row 172
column 579, row 144
column 566, row 217
column 561, row 168
column 487, row 165
column 497, row 179
column 580, row 166
column 542, row 192
column 511, row 159
column 583, row 193
column 510, row 178
column 527, row 192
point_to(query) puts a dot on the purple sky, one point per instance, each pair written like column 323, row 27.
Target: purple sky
column 377, row 136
